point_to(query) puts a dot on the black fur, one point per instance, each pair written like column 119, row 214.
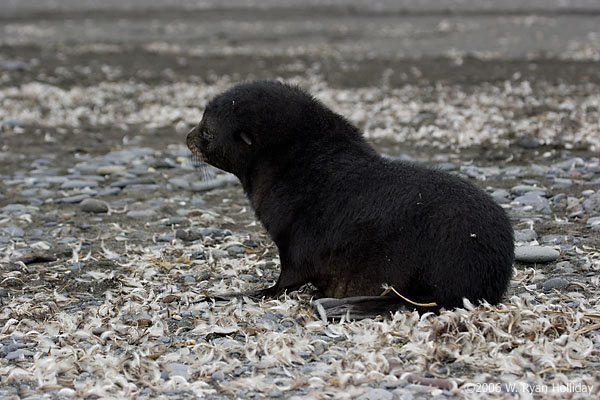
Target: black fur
column 346, row 219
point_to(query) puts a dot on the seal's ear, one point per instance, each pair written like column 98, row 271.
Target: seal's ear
column 245, row 137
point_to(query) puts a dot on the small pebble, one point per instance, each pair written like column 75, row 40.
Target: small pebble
column 520, row 190
column 94, row 206
column 555, row 283
column 16, row 355
column 218, row 376
column 140, row 214
column 376, row 394
column 98, row 330
column 536, row 200
column 501, row 196
column 165, row 238
column 73, row 199
column 78, row 184
column 14, row 231
column 110, row 169
column 177, row 369
column 525, row 235
column 593, row 223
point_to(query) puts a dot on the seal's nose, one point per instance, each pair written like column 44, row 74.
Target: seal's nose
column 190, row 138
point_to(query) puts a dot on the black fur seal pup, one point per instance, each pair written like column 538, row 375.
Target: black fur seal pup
column 346, row 219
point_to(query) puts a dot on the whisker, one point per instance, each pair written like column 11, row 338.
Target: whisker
column 206, row 171
column 196, row 161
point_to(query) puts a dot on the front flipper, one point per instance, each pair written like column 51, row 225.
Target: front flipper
column 360, row 307
column 289, row 280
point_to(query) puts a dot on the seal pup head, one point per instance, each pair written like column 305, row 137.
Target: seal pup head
column 255, row 120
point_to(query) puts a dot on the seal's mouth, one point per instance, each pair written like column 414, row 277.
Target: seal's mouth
column 191, row 142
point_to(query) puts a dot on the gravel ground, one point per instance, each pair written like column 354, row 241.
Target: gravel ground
column 110, row 239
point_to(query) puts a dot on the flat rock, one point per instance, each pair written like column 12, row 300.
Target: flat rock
column 500, row 195
column 73, row 199
column 592, row 204
column 535, row 200
column 520, row 190
column 536, row 254
column 110, row 169
column 555, row 283
column 594, row 223
column 78, row 184
column 14, row 231
column 141, row 213
column 177, row 369
column 525, row 235
column 376, row 394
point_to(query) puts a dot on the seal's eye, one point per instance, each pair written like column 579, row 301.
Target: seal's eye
column 207, row 135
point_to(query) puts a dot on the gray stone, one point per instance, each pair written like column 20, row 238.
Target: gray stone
column 110, row 191
column 174, row 221
column 535, row 200
column 216, row 253
column 569, row 164
column 73, row 199
column 215, row 233
column 218, row 376
column 512, row 171
column 529, row 142
column 501, row 196
column 537, row 170
column 472, row 171
column 562, row 183
column 98, row 330
column 14, row 231
column 555, row 283
column 592, row 203
column 376, row 394
column 274, row 394
column 140, row 188
column 234, row 250
column 536, row 254
column 68, row 240
column 554, row 239
column 447, row 166
column 78, row 184
column 94, row 206
column 110, row 169
column 177, row 369
column 141, row 214
column 166, row 238
column 15, row 209
column 18, row 354
column 525, row 235
column 165, row 163
column 594, row 223
column 520, row 190
column 402, row 394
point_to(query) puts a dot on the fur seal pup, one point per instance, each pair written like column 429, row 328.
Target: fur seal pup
column 346, row 219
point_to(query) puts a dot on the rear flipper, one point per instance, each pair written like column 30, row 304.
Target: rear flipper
column 360, row 307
